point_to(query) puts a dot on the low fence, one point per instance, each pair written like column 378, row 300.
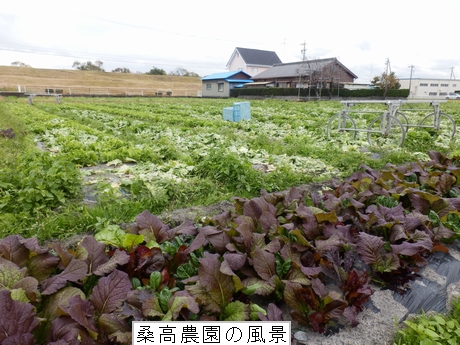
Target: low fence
column 110, row 91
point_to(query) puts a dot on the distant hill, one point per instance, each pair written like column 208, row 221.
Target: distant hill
column 38, row 80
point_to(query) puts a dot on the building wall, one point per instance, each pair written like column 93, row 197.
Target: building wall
column 238, row 64
column 430, row 88
column 214, row 91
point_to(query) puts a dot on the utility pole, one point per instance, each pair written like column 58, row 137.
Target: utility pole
column 410, row 79
column 303, row 51
column 452, row 75
column 388, row 67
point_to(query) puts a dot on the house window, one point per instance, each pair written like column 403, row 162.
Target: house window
column 220, row 87
column 423, row 84
column 208, row 86
column 434, row 84
column 454, row 85
column 433, row 94
column 254, row 70
column 444, row 85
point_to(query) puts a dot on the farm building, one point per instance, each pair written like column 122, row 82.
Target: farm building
column 252, row 61
column 220, row 84
column 430, row 88
column 322, row 73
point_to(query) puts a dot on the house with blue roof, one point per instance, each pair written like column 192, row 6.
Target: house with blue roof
column 220, row 84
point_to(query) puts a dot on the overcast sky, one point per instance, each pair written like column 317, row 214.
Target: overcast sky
column 201, row 35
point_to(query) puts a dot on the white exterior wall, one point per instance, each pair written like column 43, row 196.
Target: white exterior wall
column 238, row 64
column 430, row 88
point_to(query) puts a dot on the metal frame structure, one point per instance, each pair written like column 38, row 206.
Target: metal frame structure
column 391, row 126
column 31, row 97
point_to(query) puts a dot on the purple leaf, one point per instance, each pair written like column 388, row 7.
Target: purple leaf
column 254, row 208
column 264, row 263
column 75, row 271
column 318, row 287
column 442, row 232
column 16, row 318
column 117, row 330
column 65, row 329
column 324, row 246
column 219, row 241
column 235, row 260
column 96, row 253
column 350, row 313
column 186, row 228
column 20, row 339
column 110, row 291
column 198, row 242
column 81, row 311
column 119, row 258
column 369, row 248
column 219, row 285
column 149, row 223
column 33, row 245
column 273, row 313
column 42, row 265
column 13, row 250
column 64, row 255
column 245, row 229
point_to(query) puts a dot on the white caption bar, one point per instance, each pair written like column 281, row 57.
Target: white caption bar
column 205, row 332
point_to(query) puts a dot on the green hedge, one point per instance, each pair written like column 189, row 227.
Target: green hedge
column 278, row 91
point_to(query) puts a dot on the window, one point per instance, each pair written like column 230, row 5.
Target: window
column 423, row 84
column 254, row 69
column 443, row 94
column 434, row 84
column 220, row 87
column 208, row 86
column 433, row 94
column 454, row 85
column 444, row 85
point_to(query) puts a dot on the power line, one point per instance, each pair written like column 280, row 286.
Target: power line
column 80, row 55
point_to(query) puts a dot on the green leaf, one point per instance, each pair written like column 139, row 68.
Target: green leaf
column 255, row 310
column 132, row 240
column 155, row 280
column 163, row 298
column 431, row 334
column 235, row 311
column 186, row 271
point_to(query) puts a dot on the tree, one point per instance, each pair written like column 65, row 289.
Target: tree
column 182, row 72
column 89, row 66
column 20, row 64
column 156, row 71
column 386, row 82
column 121, row 70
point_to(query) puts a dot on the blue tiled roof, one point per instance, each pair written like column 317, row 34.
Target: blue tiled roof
column 223, row 75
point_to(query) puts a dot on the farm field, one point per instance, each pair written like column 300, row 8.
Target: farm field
column 162, row 154
column 106, row 168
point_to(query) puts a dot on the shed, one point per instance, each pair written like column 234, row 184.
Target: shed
column 220, row 84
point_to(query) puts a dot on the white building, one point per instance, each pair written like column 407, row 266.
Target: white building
column 430, row 88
